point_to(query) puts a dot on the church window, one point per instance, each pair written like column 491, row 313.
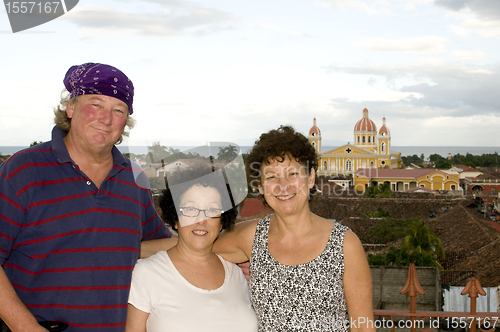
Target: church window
column 371, row 164
column 369, row 139
column 348, row 165
column 363, row 164
column 358, row 139
column 333, row 165
column 363, row 139
column 383, row 147
column 313, row 134
column 325, row 165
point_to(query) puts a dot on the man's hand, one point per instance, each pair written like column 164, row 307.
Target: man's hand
column 245, row 268
column 151, row 247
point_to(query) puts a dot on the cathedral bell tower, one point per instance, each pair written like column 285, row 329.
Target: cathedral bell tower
column 315, row 137
column 384, row 139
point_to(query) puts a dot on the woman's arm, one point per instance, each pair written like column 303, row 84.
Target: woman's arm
column 236, row 245
column 358, row 284
column 136, row 319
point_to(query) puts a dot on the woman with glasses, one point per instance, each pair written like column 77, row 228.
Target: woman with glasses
column 307, row 273
column 189, row 287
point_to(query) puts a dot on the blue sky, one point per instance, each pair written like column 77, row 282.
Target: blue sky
column 220, row 70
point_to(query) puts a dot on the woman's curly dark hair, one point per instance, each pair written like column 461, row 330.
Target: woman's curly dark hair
column 276, row 145
column 184, row 179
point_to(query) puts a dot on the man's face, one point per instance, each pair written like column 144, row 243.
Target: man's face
column 97, row 120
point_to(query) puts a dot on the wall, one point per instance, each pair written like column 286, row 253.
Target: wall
column 389, row 281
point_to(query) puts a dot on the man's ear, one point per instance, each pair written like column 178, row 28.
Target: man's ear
column 70, row 108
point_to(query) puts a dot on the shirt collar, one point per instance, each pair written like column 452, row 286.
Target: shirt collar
column 62, row 154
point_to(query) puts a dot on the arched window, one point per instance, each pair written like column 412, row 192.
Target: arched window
column 383, row 146
column 348, row 165
column 333, row 165
column 371, row 164
column 363, row 139
column 325, row 167
column 369, row 139
column 358, row 139
column 363, row 164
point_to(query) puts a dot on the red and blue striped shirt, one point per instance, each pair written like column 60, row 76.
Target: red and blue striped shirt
column 68, row 247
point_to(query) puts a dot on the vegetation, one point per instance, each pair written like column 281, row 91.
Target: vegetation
column 379, row 213
column 438, row 161
column 420, row 237
column 378, row 191
column 35, row 143
column 387, row 230
column 420, row 246
column 227, row 153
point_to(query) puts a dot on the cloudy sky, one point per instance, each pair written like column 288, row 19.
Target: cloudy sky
column 229, row 70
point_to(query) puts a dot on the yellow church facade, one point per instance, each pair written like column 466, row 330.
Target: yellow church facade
column 407, row 179
column 371, row 149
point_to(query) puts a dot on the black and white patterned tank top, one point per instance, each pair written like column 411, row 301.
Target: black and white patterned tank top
column 305, row 297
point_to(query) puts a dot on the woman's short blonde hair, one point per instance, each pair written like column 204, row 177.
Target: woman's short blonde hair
column 62, row 121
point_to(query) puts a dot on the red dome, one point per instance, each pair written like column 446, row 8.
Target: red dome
column 314, row 131
column 365, row 124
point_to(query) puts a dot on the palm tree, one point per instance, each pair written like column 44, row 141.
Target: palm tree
column 227, row 153
column 421, row 238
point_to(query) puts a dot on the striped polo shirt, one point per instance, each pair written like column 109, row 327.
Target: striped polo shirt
column 68, row 247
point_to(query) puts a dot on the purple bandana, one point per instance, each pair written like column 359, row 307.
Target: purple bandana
column 99, row 79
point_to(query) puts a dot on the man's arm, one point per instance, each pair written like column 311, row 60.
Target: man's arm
column 151, row 247
column 12, row 311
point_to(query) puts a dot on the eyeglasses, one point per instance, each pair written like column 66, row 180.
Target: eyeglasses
column 195, row 212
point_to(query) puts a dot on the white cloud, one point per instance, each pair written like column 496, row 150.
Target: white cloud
column 426, row 45
column 281, row 30
column 483, row 27
column 467, row 55
column 96, row 20
column 342, row 4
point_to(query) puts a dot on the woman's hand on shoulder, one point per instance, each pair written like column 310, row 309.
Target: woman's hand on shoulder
column 236, row 245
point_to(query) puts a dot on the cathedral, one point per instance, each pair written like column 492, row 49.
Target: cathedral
column 371, row 149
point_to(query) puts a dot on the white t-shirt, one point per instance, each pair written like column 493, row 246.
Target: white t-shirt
column 176, row 305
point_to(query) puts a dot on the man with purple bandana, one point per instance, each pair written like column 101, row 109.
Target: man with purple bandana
column 74, row 213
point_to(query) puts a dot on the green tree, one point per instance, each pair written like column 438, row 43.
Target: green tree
column 378, row 191
column 227, row 153
column 157, row 153
column 379, row 213
column 443, row 164
column 376, row 259
column 421, row 238
column 35, row 143
column 156, row 183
